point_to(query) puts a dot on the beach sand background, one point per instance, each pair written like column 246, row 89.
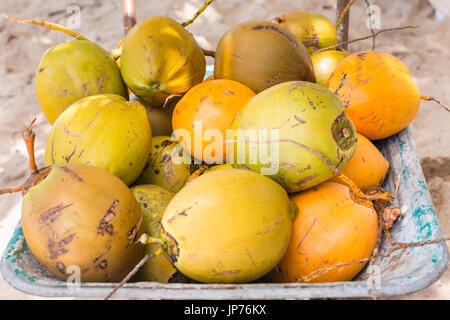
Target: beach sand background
column 424, row 50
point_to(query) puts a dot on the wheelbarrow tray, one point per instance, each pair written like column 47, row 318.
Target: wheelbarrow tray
column 403, row 272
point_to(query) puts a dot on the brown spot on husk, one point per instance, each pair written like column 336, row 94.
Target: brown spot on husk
column 101, row 255
column 362, row 55
column 172, row 246
column 166, row 143
column 63, row 92
column 279, row 20
column 103, row 264
column 60, row 267
column 299, row 119
column 35, row 179
column 57, row 249
column 305, row 180
column 52, row 214
column 72, row 173
column 226, row 273
column 71, row 155
column 277, row 30
column 101, row 81
column 105, row 225
column 343, row 81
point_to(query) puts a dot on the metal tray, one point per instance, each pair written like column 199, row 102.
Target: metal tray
column 403, row 272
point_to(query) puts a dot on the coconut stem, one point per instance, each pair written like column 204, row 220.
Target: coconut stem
column 117, row 51
column 136, row 269
column 146, row 239
column 435, row 100
column 48, row 25
column 197, row 173
column 12, row 190
column 199, row 12
column 29, row 136
column 373, row 195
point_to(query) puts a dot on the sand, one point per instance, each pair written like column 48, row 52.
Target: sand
column 424, row 50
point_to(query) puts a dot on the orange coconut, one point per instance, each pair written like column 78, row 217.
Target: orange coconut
column 212, row 104
column 367, row 168
column 380, row 96
column 330, row 228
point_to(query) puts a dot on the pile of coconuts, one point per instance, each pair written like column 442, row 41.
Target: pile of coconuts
column 125, row 179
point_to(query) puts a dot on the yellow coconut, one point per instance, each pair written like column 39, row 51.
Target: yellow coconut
column 105, row 131
column 315, row 31
column 160, row 58
column 324, row 64
column 228, row 226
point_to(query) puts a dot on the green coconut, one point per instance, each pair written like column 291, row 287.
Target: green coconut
column 73, row 70
column 160, row 58
column 299, row 117
column 162, row 169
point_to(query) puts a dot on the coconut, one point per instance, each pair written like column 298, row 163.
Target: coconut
column 153, row 200
column 285, row 129
column 314, row 30
column 380, row 96
column 105, row 131
column 162, row 169
column 77, row 215
column 261, row 54
column 331, row 227
column 228, row 226
column 325, row 62
column 160, row 58
column 74, row 70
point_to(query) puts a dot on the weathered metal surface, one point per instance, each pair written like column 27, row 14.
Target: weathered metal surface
column 403, row 272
